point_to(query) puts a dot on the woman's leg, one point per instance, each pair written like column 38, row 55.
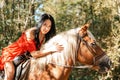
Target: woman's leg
column 9, row 70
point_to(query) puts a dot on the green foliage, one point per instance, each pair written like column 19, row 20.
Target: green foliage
column 105, row 27
column 18, row 15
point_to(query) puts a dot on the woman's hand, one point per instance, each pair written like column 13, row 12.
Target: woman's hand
column 57, row 47
column 54, row 48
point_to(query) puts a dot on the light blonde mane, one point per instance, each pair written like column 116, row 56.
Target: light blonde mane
column 69, row 41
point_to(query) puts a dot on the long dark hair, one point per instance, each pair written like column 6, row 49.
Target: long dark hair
column 50, row 34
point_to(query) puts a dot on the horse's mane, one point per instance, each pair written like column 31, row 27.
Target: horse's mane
column 69, row 41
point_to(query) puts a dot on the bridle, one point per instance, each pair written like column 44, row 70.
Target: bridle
column 90, row 48
column 95, row 59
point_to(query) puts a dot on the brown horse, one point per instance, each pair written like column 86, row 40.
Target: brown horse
column 79, row 46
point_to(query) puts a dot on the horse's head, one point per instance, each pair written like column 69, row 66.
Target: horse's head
column 90, row 53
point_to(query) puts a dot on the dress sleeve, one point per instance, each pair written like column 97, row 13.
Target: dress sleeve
column 28, row 45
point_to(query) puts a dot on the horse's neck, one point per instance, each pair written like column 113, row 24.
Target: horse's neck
column 69, row 41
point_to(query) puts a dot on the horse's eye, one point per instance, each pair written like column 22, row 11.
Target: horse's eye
column 93, row 44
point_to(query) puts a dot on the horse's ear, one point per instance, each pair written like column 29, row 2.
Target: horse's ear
column 85, row 27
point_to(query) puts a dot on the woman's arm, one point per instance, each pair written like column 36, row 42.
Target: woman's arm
column 38, row 54
column 54, row 48
column 30, row 33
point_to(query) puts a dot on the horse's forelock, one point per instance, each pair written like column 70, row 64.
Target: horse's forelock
column 90, row 35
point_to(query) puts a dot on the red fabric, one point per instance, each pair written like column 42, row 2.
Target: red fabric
column 17, row 48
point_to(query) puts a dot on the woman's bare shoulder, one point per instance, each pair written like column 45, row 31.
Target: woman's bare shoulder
column 30, row 33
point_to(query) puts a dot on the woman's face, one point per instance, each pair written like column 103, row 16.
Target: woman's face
column 46, row 26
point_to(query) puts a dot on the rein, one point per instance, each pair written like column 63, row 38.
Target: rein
column 96, row 57
column 79, row 40
column 68, row 66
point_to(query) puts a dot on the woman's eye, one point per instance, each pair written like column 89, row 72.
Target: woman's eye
column 44, row 24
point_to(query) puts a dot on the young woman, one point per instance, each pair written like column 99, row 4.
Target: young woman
column 30, row 41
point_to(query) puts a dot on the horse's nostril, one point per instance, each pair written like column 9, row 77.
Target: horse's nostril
column 110, row 62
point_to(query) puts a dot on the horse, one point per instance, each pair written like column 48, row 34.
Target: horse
column 79, row 46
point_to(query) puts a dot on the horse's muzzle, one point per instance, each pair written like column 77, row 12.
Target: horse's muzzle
column 105, row 64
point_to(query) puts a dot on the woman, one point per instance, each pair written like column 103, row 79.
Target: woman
column 30, row 41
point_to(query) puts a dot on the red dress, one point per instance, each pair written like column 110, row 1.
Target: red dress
column 17, row 48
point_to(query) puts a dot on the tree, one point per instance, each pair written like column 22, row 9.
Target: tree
column 18, row 15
